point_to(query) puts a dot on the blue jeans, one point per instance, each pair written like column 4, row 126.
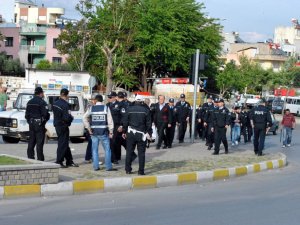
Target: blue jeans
column 105, row 144
column 287, row 135
column 236, row 133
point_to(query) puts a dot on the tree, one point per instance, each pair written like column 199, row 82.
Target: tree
column 8, row 65
column 43, row 65
column 112, row 25
column 1, row 37
column 169, row 32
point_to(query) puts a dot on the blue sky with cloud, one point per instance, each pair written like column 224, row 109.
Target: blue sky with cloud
column 255, row 20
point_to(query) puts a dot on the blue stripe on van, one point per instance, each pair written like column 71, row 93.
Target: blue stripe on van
column 74, row 121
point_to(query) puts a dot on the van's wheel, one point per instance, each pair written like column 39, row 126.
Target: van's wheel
column 77, row 140
column 10, row 140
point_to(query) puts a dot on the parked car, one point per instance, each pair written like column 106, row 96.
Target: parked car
column 14, row 127
column 275, row 125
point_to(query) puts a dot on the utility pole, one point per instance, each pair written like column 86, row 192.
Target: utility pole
column 195, row 95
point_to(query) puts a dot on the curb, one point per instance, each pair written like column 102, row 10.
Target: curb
column 135, row 183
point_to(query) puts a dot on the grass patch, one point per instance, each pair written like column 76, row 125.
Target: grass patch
column 5, row 160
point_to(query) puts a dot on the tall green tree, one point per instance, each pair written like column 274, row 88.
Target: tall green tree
column 170, row 31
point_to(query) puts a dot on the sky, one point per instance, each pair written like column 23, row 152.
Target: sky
column 254, row 20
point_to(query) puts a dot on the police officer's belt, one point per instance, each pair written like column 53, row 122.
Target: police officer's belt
column 134, row 131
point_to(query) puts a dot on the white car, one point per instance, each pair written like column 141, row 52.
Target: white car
column 14, row 127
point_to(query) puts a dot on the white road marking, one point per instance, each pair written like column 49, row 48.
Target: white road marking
column 105, row 209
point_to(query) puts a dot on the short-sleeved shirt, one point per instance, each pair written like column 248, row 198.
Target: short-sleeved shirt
column 3, row 99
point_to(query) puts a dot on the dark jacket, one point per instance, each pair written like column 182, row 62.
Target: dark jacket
column 138, row 117
column 162, row 116
column 234, row 117
column 261, row 116
column 61, row 112
column 37, row 108
column 182, row 111
column 221, row 117
column 115, row 109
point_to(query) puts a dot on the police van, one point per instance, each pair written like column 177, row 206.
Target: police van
column 14, row 127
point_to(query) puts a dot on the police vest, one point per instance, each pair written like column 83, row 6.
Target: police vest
column 99, row 120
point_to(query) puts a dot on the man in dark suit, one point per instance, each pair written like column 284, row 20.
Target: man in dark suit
column 162, row 120
column 171, row 130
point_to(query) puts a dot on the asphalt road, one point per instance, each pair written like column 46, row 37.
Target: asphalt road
column 266, row 198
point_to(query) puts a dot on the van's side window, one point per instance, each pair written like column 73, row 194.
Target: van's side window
column 73, row 102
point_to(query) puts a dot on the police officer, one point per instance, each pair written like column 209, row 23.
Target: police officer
column 115, row 110
column 221, row 121
column 162, row 120
column 37, row 115
column 246, row 129
column 171, row 130
column 62, row 121
column 182, row 110
column 126, row 101
column 209, row 109
column 260, row 120
column 137, row 124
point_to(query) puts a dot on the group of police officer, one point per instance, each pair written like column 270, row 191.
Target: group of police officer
column 132, row 125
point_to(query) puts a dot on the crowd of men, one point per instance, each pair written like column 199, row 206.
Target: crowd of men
column 122, row 123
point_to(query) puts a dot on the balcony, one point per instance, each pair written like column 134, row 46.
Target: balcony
column 33, row 30
column 269, row 57
column 34, row 49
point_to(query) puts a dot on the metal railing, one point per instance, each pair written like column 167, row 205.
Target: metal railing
column 34, row 49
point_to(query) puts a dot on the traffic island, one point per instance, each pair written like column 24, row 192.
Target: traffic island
column 22, row 171
column 127, row 183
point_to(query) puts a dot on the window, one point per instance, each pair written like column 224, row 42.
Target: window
column 54, row 42
column 9, row 42
column 9, row 57
column 56, row 60
column 73, row 102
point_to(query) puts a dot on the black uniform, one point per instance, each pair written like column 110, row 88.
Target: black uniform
column 116, row 109
column 62, row 121
column 204, row 111
column 261, row 118
column 246, row 129
column 171, row 130
column 182, row 110
column 162, row 117
column 208, row 119
column 200, row 121
column 37, row 115
column 221, row 118
column 137, row 118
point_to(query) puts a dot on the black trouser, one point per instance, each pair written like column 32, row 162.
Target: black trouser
column 250, row 132
column 36, row 138
column 182, row 130
column 88, row 153
column 161, row 132
column 196, row 129
column 134, row 140
column 220, row 136
column 246, row 132
column 63, row 149
column 200, row 130
column 259, row 139
column 116, row 144
column 210, row 138
column 171, row 134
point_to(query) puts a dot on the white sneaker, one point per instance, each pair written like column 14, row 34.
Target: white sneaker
column 236, row 142
column 232, row 144
column 100, row 163
column 283, row 146
column 289, row 145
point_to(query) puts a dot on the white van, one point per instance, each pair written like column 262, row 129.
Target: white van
column 14, row 127
column 293, row 104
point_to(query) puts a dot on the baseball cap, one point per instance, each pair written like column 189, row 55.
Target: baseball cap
column 121, row 94
column 171, row 100
column 112, row 94
column 216, row 100
column 210, row 97
column 182, row 96
column 221, row 100
column 38, row 90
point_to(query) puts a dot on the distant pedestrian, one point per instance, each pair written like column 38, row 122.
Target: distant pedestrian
column 260, row 120
column 288, row 124
column 3, row 98
column 246, row 129
column 162, row 120
column 37, row 115
column 221, row 122
column 99, row 123
column 62, row 121
column 171, row 129
column 235, row 125
column 182, row 110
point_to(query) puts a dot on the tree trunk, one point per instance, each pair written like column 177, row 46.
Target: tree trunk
column 109, row 74
column 144, row 77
